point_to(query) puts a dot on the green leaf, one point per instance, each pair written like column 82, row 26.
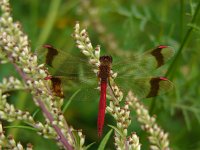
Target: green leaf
column 69, row 101
column 194, row 26
column 105, row 140
column 124, row 12
column 21, row 127
column 117, row 130
column 88, row 146
column 51, row 17
column 35, row 112
column 187, row 119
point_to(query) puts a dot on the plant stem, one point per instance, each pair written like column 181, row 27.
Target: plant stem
column 52, row 13
column 61, row 138
column 175, row 61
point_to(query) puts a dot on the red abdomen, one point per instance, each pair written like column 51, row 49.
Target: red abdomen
column 102, row 108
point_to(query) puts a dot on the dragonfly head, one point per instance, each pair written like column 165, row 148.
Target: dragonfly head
column 105, row 60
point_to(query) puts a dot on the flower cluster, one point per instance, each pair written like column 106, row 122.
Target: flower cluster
column 157, row 138
column 84, row 44
column 10, row 113
column 122, row 116
column 11, row 83
column 14, row 45
column 10, row 143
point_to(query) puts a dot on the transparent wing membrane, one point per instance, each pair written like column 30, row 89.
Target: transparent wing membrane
column 145, row 64
column 71, row 73
column 62, row 62
column 88, row 95
column 148, row 86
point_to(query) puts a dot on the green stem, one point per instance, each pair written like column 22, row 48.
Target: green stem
column 50, row 19
column 175, row 61
column 21, row 127
column 181, row 18
column 34, row 18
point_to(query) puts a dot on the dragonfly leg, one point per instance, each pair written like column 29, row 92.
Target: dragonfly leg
column 111, row 89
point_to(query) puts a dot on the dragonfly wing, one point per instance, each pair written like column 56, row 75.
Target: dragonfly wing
column 161, row 54
column 139, row 65
column 148, row 87
column 62, row 62
column 62, row 87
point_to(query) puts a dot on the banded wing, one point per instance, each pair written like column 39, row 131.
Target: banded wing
column 63, row 63
column 137, row 75
column 65, row 69
column 144, row 64
column 147, row 87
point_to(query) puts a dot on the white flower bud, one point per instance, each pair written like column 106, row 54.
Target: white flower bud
column 119, row 124
column 109, row 109
column 85, row 52
column 83, row 32
column 60, row 123
column 1, row 129
column 87, row 40
column 16, row 49
column 82, row 47
column 114, row 75
column 125, row 131
column 82, row 141
column 95, row 71
column 54, row 122
column 11, row 141
column 93, row 61
column 77, row 27
column 19, row 146
column 89, row 45
column 166, row 144
column 154, row 147
column 10, row 20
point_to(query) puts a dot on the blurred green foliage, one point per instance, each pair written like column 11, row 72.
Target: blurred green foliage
column 134, row 26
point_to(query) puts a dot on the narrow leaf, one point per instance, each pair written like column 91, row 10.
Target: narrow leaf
column 21, row 127
column 35, row 112
column 187, row 119
column 70, row 99
column 117, row 130
column 88, row 146
column 105, row 140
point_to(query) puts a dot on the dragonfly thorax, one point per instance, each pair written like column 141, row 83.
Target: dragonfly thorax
column 105, row 67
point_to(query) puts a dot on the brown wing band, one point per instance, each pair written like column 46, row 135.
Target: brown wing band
column 52, row 52
column 158, row 55
column 154, row 83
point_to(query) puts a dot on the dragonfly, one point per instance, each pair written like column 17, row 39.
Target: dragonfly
column 138, row 67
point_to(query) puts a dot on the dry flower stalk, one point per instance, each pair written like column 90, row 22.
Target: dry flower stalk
column 158, row 138
column 14, row 45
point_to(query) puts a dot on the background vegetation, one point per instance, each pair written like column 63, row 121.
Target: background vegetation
column 121, row 27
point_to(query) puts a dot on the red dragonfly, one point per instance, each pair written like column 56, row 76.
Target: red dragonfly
column 136, row 71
